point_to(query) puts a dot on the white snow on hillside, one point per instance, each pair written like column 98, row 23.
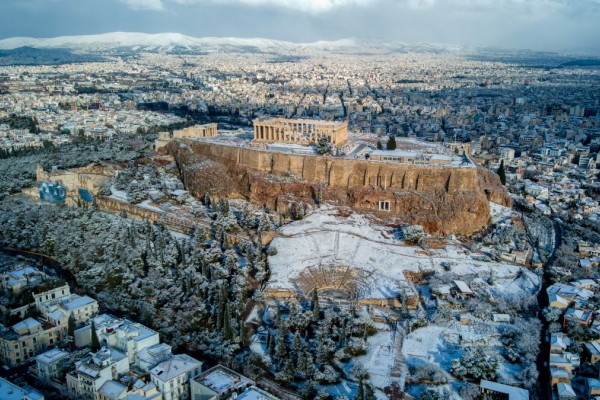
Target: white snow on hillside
column 331, row 237
column 167, row 41
column 499, row 213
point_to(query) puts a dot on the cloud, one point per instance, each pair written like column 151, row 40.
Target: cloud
column 310, row 6
column 543, row 7
column 154, row 5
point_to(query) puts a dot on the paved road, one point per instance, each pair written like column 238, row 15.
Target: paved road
column 544, row 387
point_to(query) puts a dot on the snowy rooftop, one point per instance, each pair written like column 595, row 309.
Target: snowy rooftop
column 51, row 356
column 220, row 379
column 108, row 324
column 112, row 390
column 514, row 393
column 180, row 364
column 255, row 394
column 30, row 324
column 9, row 391
column 23, row 273
column 74, row 302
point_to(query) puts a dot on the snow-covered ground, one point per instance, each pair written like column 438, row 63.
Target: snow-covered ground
column 329, row 237
column 118, row 194
column 379, row 359
column 442, row 344
column 499, row 213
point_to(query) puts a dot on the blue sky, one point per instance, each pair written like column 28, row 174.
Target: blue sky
column 555, row 25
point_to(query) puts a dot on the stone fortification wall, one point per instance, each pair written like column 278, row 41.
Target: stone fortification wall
column 443, row 200
column 90, row 177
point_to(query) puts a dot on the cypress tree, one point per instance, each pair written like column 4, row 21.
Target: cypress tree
column 71, row 330
column 501, row 172
column 297, row 343
column 221, row 307
column 300, row 211
column 361, row 391
column 316, row 308
column 227, row 332
column 271, row 345
column 95, row 342
column 242, row 332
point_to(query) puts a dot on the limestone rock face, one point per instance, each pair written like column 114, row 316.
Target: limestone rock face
column 443, row 200
column 493, row 188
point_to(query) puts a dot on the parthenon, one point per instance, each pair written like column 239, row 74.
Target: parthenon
column 197, row 131
column 300, row 131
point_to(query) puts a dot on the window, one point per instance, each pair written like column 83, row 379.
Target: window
column 384, row 205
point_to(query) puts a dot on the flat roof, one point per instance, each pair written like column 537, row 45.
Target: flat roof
column 112, row 389
column 178, row 365
column 514, row 393
column 51, row 356
column 220, row 379
column 74, row 302
column 463, row 287
column 10, row 391
column 28, row 323
column 256, row 394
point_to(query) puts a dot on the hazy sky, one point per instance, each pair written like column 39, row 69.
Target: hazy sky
column 536, row 24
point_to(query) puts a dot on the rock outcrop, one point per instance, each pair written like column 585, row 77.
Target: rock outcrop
column 443, row 200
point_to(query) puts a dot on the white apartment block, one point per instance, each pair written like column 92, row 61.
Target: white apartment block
column 172, row 377
column 81, row 307
column 94, row 370
column 48, row 364
column 124, row 335
column 29, row 338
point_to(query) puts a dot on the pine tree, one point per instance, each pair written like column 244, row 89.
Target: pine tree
column 95, row 343
column 391, row 143
column 501, row 172
column 379, row 145
column 309, row 391
column 316, row 308
column 323, row 145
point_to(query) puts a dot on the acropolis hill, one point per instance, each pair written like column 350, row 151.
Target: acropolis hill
column 444, row 200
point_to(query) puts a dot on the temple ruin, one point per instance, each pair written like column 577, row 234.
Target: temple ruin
column 300, row 131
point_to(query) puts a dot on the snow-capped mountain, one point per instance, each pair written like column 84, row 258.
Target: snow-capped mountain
column 168, row 41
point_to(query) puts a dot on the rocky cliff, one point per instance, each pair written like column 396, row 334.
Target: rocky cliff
column 443, row 200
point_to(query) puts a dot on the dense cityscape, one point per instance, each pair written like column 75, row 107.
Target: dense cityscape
column 205, row 218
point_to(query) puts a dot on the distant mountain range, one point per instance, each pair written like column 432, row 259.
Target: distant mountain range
column 87, row 47
column 177, row 41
